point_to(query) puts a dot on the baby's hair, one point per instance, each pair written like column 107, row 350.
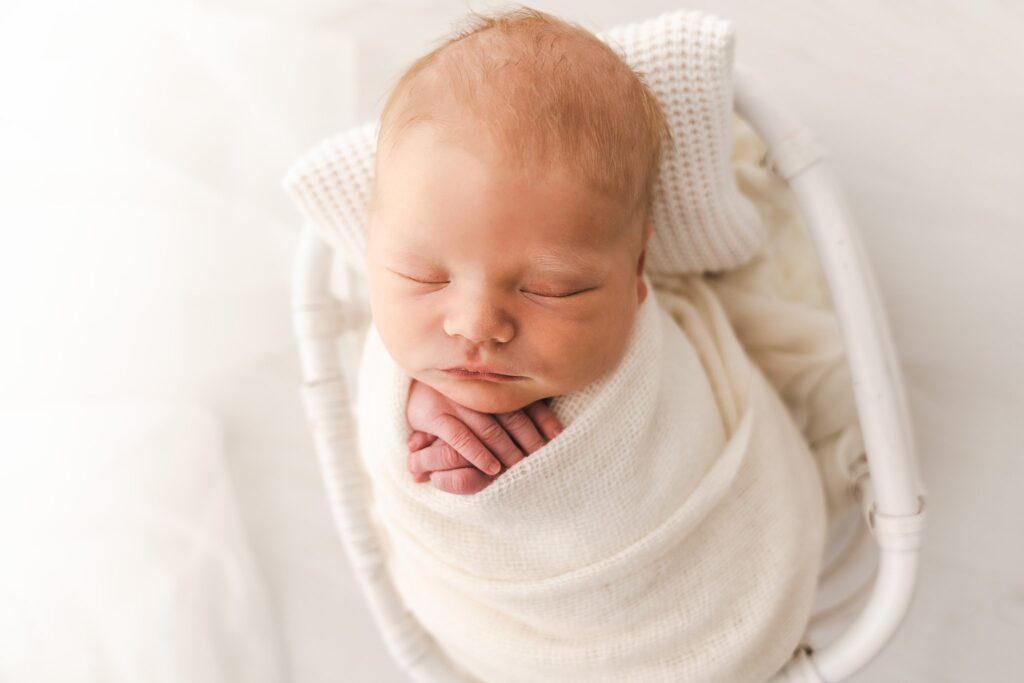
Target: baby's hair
column 545, row 90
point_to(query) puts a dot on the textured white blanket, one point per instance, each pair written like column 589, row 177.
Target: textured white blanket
column 672, row 532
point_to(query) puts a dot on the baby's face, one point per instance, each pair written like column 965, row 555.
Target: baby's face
column 478, row 266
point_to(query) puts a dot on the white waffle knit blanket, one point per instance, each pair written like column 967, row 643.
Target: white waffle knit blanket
column 673, row 532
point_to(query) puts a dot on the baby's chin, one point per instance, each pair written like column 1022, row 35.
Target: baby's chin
column 487, row 397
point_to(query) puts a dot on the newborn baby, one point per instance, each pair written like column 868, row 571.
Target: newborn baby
column 506, row 235
column 674, row 531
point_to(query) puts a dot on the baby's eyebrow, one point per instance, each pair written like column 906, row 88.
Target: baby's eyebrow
column 554, row 261
column 563, row 261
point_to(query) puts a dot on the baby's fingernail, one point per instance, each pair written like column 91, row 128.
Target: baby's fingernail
column 494, row 468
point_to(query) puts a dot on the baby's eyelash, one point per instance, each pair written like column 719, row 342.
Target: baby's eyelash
column 422, row 282
column 560, row 296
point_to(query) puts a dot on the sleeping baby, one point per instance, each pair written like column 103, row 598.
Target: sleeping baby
column 506, row 239
column 634, row 501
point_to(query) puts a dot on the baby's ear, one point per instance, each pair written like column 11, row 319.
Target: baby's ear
column 648, row 230
column 641, row 282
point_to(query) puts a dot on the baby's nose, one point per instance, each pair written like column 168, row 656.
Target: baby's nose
column 479, row 322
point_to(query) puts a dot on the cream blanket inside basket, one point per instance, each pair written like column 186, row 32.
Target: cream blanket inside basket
column 673, row 532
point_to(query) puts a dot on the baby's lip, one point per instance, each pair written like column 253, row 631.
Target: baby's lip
column 483, row 371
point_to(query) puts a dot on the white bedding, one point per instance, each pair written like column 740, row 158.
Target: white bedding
column 673, row 531
column 146, row 251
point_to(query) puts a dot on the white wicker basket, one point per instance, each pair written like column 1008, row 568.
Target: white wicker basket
column 889, row 489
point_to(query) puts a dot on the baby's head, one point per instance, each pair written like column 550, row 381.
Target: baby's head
column 509, row 217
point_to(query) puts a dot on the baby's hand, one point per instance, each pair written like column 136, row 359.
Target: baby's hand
column 455, row 447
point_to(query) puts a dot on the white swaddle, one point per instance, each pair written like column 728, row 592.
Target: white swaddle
column 672, row 532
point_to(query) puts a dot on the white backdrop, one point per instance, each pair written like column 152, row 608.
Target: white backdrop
column 161, row 515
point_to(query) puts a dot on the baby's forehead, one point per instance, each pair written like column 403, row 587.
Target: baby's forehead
column 500, row 263
column 535, row 240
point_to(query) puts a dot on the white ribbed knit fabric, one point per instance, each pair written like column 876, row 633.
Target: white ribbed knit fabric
column 673, row 532
column 701, row 221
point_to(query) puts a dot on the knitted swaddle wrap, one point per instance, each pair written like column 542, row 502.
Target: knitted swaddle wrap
column 701, row 220
column 672, row 532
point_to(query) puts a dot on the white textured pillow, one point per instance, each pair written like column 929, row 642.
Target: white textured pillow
column 701, row 221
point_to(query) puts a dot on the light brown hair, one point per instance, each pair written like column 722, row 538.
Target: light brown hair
column 542, row 90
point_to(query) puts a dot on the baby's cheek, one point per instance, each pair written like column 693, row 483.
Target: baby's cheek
column 567, row 349
column 402, row 329
column 596, row 346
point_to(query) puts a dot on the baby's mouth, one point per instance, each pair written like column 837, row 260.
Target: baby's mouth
column 482, row 374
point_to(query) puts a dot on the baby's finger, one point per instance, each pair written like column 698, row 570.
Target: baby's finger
column 418, row 440
column 463, row 481
column 418, row 475
column 439, row 456
column 521, row 427
column 492, row 434
column 450, row 429
column 545, row 419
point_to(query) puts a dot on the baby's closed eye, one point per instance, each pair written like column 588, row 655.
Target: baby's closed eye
column 548, row 291
column 425, row 279
column 556, row 293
